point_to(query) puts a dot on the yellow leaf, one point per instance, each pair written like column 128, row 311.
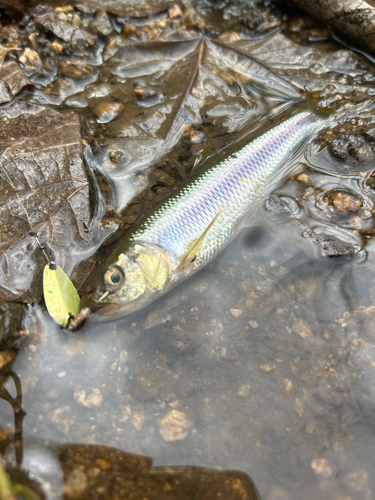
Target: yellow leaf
column 61, row 297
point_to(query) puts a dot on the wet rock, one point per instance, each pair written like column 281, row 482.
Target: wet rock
column 31, row 60
column 76, row 69
column 174, row 426
column 103, row 464
column 145, row 93
column 345, row 203
column 321, row 467
column 369, row 135
column 338, row 149
column 129, row 30
column 116, row 43
column 303, row 178
column 88, row 400
column 76, row 20
column 355, row 148
column 76, row 484
column 108, row 111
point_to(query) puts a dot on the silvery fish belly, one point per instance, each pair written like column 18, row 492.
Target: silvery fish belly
column 194, row 225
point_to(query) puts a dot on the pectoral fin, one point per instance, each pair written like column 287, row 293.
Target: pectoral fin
column 194, row 247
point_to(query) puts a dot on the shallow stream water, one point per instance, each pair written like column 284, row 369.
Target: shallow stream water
column 264, row 362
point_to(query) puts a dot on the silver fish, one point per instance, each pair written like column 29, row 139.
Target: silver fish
column 194, row 225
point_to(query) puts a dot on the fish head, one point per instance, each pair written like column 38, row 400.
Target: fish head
column 130, row 282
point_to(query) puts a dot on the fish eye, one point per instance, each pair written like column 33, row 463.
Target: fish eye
column 113, row 278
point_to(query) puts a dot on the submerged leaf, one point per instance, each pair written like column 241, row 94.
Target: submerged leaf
column 12, row 81
column 41, row 171
column 46, row 16
column 61, row 297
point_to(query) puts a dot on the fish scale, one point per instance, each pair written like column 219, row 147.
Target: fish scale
column 227, row 191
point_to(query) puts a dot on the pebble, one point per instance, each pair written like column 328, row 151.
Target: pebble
column 64, row 9
column 236, row 312
column 174, row 11
column 243, row 390
column 230, row 36
column 76, row 69
column 88, row 400
column 253, row 324
column 107, row 111
column 321, row 467
column 57, row 47
column 174, row 426
column 298, row 407
column 344, row 203
column 303, row 329
column 103, row 464
column 31, row 60
column 137, row 420
column 76, row 485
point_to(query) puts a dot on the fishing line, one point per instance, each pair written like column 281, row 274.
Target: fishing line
column 33, row 232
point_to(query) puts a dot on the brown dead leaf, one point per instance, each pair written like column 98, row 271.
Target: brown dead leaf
column 46, row 16
column 40, row 157
column 3, row 52
column 133, row 8
column 12, row 81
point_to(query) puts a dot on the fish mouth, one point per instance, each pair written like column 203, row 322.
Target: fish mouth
column 100, row 310
column 105, row 309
